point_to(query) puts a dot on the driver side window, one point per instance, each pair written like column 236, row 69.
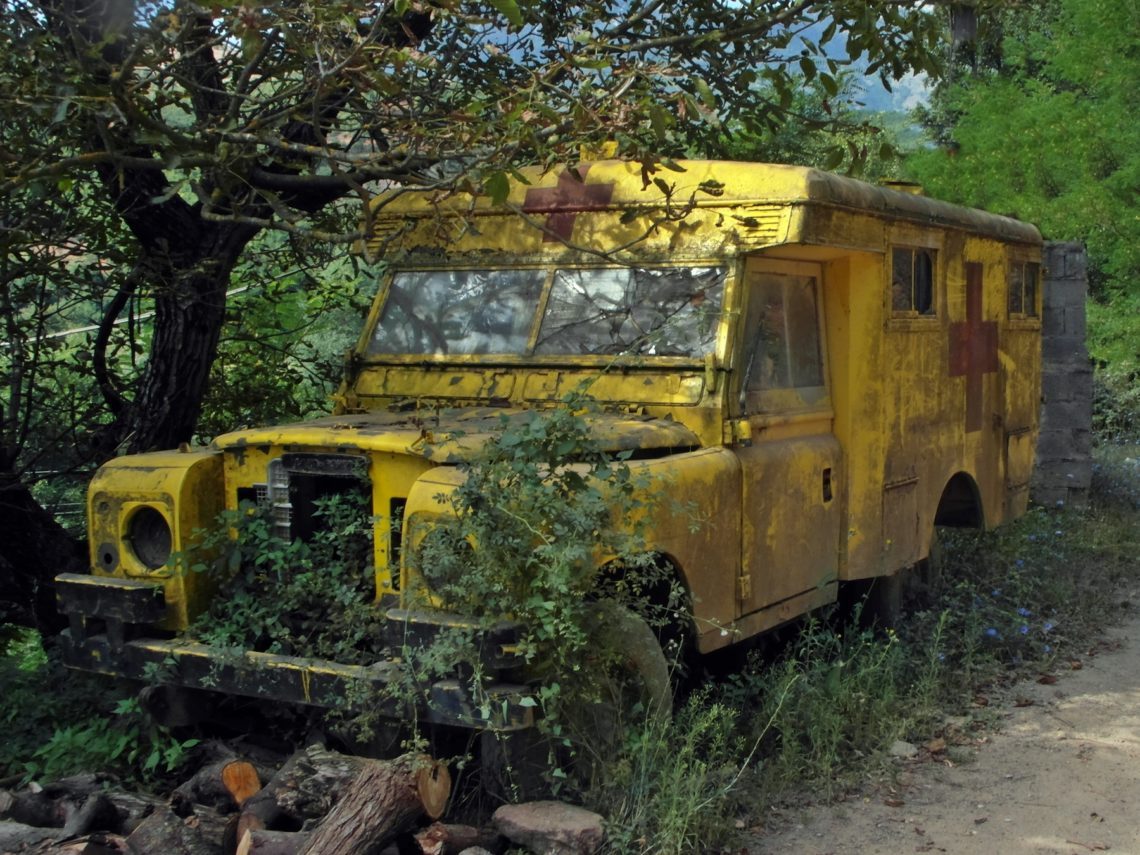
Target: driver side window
column 783, row 352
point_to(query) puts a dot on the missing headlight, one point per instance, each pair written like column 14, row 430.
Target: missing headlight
column 149, row 536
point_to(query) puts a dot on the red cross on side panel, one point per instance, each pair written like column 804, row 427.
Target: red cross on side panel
column 973, row 347
column 563, row 202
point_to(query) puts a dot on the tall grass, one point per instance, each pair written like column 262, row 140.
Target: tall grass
column 819, row 715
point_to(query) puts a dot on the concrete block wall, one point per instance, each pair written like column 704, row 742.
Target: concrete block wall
column 1064, row 450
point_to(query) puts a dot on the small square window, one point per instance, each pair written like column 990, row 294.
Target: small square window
column 1024, row 277
column 912, row 281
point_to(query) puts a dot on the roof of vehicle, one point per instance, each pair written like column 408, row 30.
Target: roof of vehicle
column 622, row 185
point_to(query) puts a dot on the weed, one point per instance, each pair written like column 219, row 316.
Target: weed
column 58, row 723
column 125, row 741
column 1014, row 600
column 674, row 788
column 301, row 597
column 540, row 509
column 832, row 697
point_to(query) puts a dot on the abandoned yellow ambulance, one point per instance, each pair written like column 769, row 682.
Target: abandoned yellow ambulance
column 826, row 368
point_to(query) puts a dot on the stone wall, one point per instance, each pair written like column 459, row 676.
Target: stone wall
column 1064, row 449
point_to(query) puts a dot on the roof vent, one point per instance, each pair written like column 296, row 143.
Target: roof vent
column 911, row 187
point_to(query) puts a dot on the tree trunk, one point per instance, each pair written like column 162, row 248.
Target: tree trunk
column 306, row 787
column 379, row 799
column 385, row 799
column 33, row 549
column 190, row 305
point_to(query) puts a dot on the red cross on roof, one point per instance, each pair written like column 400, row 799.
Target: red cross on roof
column 563, row 202
column 973, row 347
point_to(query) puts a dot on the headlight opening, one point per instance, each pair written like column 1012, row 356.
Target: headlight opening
column 149, row 537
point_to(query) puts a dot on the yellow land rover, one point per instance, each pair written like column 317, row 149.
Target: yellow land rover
column 827, row 370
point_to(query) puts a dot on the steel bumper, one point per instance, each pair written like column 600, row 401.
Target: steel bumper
column 108, row 633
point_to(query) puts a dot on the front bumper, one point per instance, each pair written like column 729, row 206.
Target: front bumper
column 110, row 619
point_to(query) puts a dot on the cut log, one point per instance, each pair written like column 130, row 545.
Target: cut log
column 95, row 844
column 446, row 839
column 133, row 809
column 272, row 843
column 16, row 836
column 73, row 805
column 306, row 787
column 30, row 808
column 385, row 799
column 98, row 813
column 225, row 785
column 163, row 831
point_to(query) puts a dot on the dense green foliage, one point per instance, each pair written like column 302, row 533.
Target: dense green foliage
column 541, row 508
column 60, row 723
column 821, row 708
column 310, row 597
column 1044, row 127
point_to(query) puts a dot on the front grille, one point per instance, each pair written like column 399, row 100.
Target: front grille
column 277, row 499
column 296, row 484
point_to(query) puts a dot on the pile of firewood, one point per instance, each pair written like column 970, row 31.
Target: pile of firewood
column 319, row 801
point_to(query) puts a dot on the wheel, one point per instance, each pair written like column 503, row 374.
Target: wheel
column 632, row 682
column 909, row 588
column 928, row 572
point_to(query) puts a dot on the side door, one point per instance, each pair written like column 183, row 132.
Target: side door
column 791, row 508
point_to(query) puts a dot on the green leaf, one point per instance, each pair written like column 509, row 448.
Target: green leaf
column 510, row 10
column 833, row 159
column 704, row 92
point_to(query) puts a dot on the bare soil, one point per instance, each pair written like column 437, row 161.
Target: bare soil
column 1055, row 770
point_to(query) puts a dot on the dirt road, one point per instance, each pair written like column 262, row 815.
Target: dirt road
column 1060, row 774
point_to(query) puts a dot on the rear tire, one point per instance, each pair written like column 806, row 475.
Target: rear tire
column 909, row 589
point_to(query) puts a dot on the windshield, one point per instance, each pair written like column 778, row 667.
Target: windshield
column 670, row 311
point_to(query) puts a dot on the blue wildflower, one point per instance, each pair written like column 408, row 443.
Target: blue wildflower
column 996, row 592
column 1024, row 612
column 1020, row 562
column 1048, row 626
column 1047, row 649
column 1033, row 537
column 991, row 632
column 1023, row 629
